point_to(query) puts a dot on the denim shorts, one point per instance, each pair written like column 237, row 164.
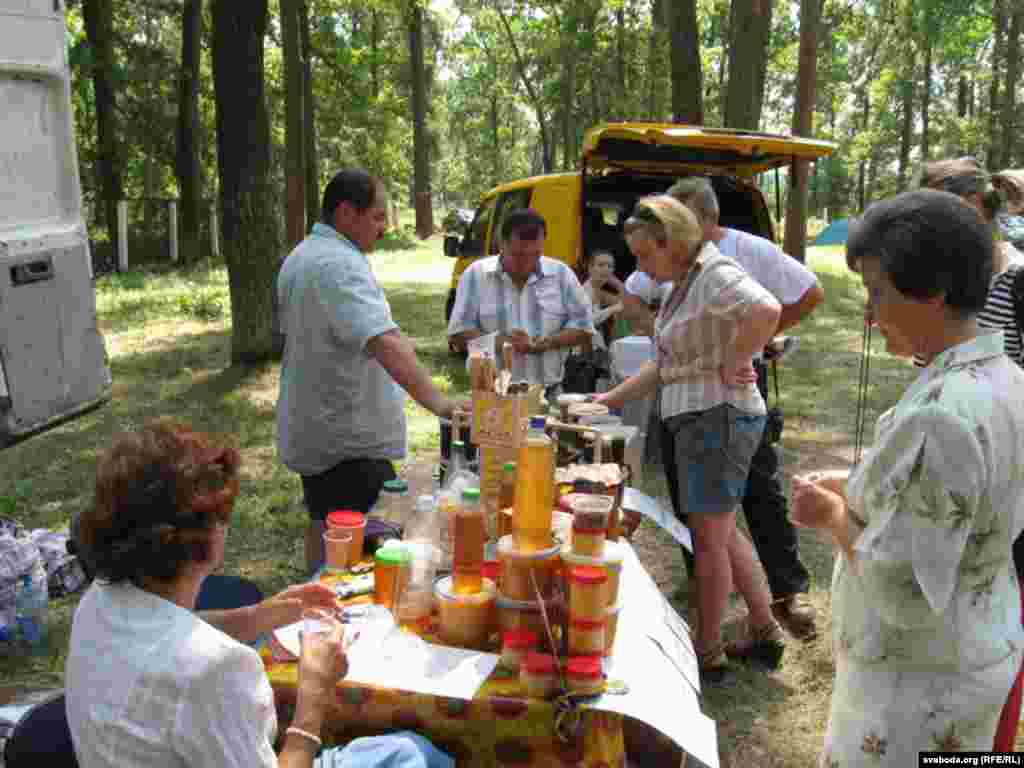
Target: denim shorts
column 713, row 450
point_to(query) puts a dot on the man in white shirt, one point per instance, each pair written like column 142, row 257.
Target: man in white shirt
column 535, row 303
column 764, row 504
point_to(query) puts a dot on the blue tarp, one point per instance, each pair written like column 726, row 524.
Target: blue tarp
column 834, row 234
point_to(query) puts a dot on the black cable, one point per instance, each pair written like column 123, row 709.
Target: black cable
column 862, row 388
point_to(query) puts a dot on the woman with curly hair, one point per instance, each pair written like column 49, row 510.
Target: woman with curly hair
column 149, row 682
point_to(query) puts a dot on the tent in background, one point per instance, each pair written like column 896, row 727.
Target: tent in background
column 834, row 234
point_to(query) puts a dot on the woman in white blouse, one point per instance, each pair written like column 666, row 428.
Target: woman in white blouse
column 926, row 606
column 711, row 414
column 151, row 684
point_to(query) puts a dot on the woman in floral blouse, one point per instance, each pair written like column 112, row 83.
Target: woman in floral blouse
column 926, row 629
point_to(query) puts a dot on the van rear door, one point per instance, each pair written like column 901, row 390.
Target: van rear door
column 53, row 363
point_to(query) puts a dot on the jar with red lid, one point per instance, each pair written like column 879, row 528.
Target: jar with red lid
column 590, row 516
column 352, row 522
column 538, row 675
column 588, row 592
column 587, row 637
column 515, row 645
column 584, row 675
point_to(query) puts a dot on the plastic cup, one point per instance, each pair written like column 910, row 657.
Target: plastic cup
column 351, row 522
column 337, row 548
column 317, row 623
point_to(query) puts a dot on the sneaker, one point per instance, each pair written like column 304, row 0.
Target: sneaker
column 764, row 645
column 713, row 666
column 796, row 614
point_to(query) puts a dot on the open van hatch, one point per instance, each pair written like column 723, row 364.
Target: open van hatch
column 685, row 149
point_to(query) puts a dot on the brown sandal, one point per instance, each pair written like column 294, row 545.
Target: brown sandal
column 763, row 645
column 713, row 665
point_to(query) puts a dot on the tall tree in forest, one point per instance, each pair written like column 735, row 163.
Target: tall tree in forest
column 567, row 53
column 803, row 118
column 928, row 32
column 420, row 140
column 655, row 72
column 295, row 129
column 309, row 123
column 248, row 219
column 684, row 47
column 547, row 152
column 187, row 164
column 1009, row 117
column 99, row 28
column 998, row 30
column 750, row 24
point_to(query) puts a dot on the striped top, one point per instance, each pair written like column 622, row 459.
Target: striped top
column 998, row 310
column 695, row 329
column 552, row 300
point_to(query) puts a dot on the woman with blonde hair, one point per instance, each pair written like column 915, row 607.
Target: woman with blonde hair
column 709, row 412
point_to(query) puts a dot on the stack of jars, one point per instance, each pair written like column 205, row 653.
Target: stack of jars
column 466, row 599
column 593, row 567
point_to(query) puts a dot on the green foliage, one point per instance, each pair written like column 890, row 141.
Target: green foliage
column 205, row 305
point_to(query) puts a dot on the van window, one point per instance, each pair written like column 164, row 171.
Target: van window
column 473, row 245
column 509, row 201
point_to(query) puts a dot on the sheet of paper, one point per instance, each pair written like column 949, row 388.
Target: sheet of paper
column 484, row 345
column 636, row 501
column 389, row 657
column 410, row 664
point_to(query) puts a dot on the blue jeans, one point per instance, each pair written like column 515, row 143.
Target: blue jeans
column 403, row 749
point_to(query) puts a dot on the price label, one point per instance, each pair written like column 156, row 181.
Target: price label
column 497, row 421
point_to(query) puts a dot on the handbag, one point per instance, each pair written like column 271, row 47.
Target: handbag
column 582, row 371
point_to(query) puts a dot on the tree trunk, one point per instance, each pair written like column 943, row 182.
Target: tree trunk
column 421, row 141
column 1010, row 91
column 496, row 140
column 684, row 47
column 907, row 132
column 188, row 166
column 961, row 97
column 999, row 28
column 750, row 23
column 567, row 54
column 862, row 167
column 374, row 53
column 99, row 28
column 655, row 72
column 803, row 118
column 547, row 155
column 248, row 220
column 309, row 122
column 295, row 133
column 926, row 95
column 620, row 64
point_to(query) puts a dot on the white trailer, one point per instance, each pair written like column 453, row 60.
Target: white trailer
column 53, row 363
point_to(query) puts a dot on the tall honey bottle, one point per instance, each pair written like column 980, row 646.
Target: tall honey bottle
column 535, row 489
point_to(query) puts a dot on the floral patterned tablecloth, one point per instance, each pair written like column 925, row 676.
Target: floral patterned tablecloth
column 498, row 728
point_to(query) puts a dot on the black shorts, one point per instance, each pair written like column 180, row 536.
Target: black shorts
column 353, row 484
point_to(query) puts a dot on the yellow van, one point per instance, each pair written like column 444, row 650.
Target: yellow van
column 622, row 162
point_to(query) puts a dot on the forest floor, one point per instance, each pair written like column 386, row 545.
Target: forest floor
column 168, row 336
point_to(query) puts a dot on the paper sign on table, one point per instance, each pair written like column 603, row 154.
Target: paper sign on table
column 635, row 501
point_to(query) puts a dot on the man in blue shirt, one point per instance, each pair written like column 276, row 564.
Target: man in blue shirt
column 346, row 364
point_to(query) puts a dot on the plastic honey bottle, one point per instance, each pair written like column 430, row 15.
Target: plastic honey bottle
column 470, row 534
column 535, row 489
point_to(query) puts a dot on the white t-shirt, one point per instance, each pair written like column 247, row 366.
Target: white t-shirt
column 151, row 685
column 784, row 277
column 642, row 285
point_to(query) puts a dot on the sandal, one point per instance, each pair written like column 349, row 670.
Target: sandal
column 763, row 645
column 713, row 665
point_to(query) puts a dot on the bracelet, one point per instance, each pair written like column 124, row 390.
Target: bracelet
column 306, row 735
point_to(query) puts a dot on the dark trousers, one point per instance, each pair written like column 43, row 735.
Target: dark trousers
column 767, row 513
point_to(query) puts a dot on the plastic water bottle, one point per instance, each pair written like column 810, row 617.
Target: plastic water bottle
column 30, row 611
